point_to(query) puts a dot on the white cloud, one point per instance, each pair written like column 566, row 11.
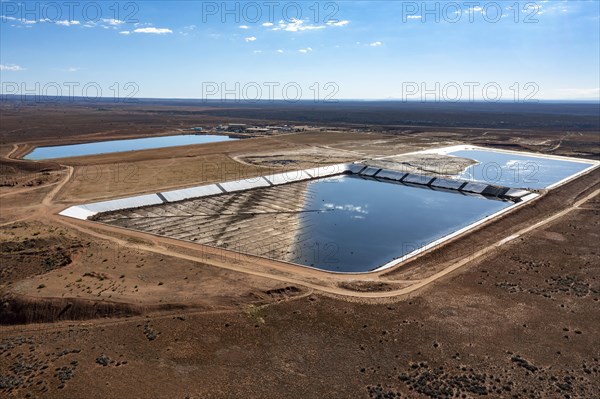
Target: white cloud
column 560, row 7
column 244, row 27
column 71, row 69
column 24, row 21
column 152, row 30
column 280, row 51
column 250, row 39
column 297, row 25
column 257, row 51
column 413, row 17
column 67, row 23
column 187, row 30
column 12, row 68
column 375, row 44
column 305, row 50
column 338, row 23
column 471, row 10
column 112, row 21
column 104, row 23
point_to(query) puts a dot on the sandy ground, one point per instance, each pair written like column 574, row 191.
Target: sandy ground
column 181, row 166
column 519, row 323
column 426, row 164
column 149, row 171
column 199, row 322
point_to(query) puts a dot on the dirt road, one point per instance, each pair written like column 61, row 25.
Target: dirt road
column 289, row 273
column 330, row 283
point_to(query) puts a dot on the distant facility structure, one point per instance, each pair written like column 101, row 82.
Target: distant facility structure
column 262, row 130
column 250, row 130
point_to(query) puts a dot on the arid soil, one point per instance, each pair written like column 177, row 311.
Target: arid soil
column 111, row 175
column 299, row 158
column 88, row 310
column 520, row 323
column 427, row 164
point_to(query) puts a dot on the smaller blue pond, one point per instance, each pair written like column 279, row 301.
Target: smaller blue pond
column 517, row 171
column 104, row 147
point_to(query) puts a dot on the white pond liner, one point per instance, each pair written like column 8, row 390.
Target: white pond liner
column 288, row 177
column 244, row 184
column 85, row 211
column 193, row 192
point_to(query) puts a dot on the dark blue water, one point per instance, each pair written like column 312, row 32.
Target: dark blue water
column 104, row 147
column 517, row 171
column 364, row 224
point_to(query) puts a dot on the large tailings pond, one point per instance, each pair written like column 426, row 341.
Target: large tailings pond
column 364, row 224
column 348, row 218
column 344, row 223
column 105, row 147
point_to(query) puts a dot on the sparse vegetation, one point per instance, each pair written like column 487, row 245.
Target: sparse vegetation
column 518, row 323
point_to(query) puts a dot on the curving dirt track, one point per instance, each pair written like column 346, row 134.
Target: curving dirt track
column 330, row 283
column 508, row 310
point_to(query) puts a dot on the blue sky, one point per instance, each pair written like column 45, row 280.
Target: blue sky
column 344, row 50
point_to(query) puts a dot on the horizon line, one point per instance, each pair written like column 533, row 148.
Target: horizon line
column 132, row 100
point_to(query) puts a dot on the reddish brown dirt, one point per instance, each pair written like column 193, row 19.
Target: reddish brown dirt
column 518, row 320
column 519, row 323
